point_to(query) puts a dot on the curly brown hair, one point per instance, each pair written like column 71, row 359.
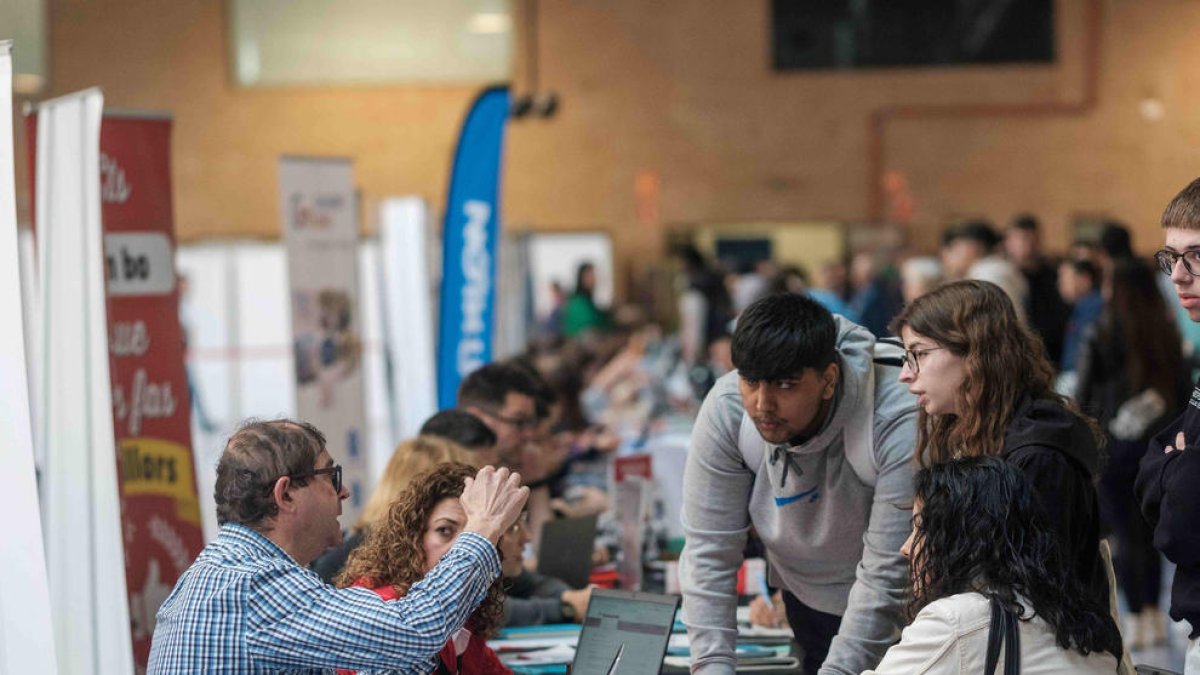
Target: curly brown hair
column 393, row 553
column 1004, row 361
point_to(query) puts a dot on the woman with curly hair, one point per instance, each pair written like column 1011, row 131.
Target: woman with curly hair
column 981, row 539
column 984, row 386
column 419, row 528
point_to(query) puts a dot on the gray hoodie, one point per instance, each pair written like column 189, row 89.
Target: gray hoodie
column 837, row 548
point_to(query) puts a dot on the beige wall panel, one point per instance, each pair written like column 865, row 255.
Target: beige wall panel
column 682, row 88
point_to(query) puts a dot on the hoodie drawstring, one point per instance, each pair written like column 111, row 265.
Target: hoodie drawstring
column 788, row 462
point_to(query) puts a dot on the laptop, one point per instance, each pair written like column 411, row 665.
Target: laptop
column 565, row 551
column 624, row 633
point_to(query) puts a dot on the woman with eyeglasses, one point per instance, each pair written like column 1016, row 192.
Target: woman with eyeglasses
column 980, row 542
column 420, row 526
column 984, row 386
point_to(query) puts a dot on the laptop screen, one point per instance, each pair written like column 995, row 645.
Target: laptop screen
column 637, row 626
column 566, row 550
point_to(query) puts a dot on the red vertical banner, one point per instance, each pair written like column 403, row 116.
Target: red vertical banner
column 160, row 514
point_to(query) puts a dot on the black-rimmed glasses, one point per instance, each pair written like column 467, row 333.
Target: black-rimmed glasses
column 1167, row 259
column 335, row 476
column 912, row 358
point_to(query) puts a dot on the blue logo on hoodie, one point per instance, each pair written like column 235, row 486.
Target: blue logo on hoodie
column 812, row 496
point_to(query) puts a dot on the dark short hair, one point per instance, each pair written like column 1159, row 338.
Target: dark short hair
column 460, row 427
column 1184, row 210
column 489, row 385
column 978, row 230
column 256, row 456
column 1116, row 241
column 1086, row 268
column 1026, row 221
column 781, row 335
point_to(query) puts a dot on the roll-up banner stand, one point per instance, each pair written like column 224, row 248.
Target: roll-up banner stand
column 407, row 316
column 80, row 498
column 148, row 394
column 160, row 514
column 471, row 239
column 26, row 635
column 317, row 205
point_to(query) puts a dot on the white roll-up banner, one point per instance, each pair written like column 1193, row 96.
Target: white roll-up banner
column 317, row 205
column 408, row 314
column 26, row 636
column 84, row 548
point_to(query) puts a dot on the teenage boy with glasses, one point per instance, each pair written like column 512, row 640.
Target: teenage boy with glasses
column 248, row 604
column 1170, row 471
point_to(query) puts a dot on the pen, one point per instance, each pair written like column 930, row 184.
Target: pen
column 612, row 669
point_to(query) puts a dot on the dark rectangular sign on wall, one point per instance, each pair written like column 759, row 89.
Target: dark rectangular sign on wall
column 848, row 34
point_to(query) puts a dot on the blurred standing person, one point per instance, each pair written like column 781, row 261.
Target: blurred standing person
column 1044, row 306
column 1131, row 377
column 753, row 284
column 969, row 252
column 705, row 308
column 1079, row 286
column 1116, row 244
column 876, row 296
column 918, row 276
column 580, row 312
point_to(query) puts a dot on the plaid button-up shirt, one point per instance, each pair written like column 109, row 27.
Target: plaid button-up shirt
column 245, row 606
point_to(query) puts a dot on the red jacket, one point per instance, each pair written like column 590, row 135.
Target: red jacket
column 478, row 659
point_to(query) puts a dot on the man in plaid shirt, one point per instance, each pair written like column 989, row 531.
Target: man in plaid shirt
column 249, row 605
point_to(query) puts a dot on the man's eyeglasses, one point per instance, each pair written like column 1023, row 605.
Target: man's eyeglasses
column 1167, row 259
column 521, row 423
column 335, row 475
column 912, row 358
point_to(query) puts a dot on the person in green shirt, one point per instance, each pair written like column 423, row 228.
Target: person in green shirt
column 580, row 312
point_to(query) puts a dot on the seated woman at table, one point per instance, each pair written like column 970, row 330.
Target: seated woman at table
column 420, row 527
column 979, row 537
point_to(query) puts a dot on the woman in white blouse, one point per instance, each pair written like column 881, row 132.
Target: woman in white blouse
column 979, row 533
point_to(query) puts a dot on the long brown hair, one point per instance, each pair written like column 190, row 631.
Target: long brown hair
column 393, row 553
column 1154, row 357
column 1004, row 362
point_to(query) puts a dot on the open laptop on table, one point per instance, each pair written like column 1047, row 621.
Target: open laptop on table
column 565, row 551
column 624, row 633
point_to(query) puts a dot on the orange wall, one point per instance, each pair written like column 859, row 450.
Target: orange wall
column 682, row 88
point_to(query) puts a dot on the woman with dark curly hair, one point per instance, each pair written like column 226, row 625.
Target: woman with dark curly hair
column 980, row 537
column 419, row 528
column 984, row 386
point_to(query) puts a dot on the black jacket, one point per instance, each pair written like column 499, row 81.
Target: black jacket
column 1058, row 453
column 1168, row 486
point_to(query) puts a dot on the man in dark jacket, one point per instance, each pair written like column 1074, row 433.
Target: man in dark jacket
column 1170, row 471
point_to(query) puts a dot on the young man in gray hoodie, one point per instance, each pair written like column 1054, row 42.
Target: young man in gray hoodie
column 811, row 442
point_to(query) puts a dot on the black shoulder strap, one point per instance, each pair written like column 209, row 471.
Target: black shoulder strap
column 1003, row 630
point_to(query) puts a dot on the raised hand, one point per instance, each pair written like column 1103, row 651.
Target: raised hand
column 493, row 501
